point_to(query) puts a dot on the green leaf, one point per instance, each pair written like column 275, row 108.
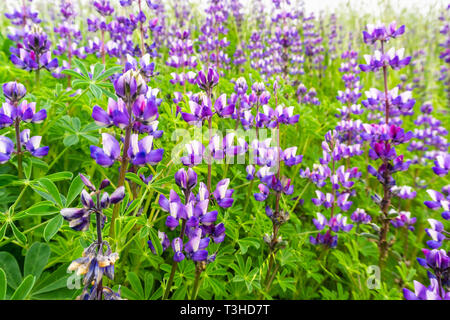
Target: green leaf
column 156, row 242
column 27, row 168
column 3, row 284
column 98, row 69
column 52, row 190
column 39, row 163
column 6, row 179
column 247, row 242
column 148, row 285
column 52, row 227
column 50, row 281
column 71, row 140
column 180, row 293
column 59, row 176
column 108, row 93
column 133, row 177
column 42, row 208
column 369, row 235
column 90, row 127
column 36, row 259
column 18, row 234
column 136, row 284
column 80, row 83
column 75, row 189
column 96, row 91
column 24, row 289
column 72, row 73
column 109, row 72
column 3, row 231
column 11, row 268
column 82, row 68
column 127, row 293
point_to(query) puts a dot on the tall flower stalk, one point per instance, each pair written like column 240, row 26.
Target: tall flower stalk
column 13, row 113
column 97, row 259
column 136, row 111
column 385, row 136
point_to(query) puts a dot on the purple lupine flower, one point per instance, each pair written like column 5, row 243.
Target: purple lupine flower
column 14, row 91
column 395, row 58
column 195, row 247
column 290, row 158
column 177, row 246
column 250, row 172
column 207, row 81
column 145, row 67
column 380, row 32
column 130, row 85
column 442, row 165
column 439, row 201
column 404, row 192
column 436, row 233
column 141, row 152
column 360, row 216
column 426, row 293
column 263, row 194
column 103, row 7
column 186, row 180
column 32, row 144
column 404, row 219
column 174, row 206
column 109, row 153
column 6, row 149
column 325, row 239
column 195, row 154
column 24, row 112
column 34, row 54
column 79, row 218
column 223, row 195
column 199, row 112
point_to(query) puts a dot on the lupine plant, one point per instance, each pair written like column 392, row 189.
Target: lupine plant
column 384, row 137
column 224, row 149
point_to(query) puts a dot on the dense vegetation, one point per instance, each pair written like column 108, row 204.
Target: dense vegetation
column 157, row 150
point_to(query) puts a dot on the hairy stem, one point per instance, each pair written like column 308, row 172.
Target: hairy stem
column 386, row 201
column 123, row 170
column 19, row 149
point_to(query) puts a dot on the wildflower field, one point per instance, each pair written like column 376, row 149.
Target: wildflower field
column 224, row 149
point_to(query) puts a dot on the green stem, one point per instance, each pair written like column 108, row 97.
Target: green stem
column 57, row 158
column 174, row 266
column 210, row 161
column 19, row 149
column 249, row 194
column 198, row 272
column 18, row 198
column 123, row 170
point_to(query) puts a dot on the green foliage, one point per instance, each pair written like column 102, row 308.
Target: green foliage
column 37, row 245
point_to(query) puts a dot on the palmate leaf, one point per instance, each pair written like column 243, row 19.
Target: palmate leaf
column 24, row 288
column 3, row 284
column 109, row 72
column 75, row 189
column 73, row 73
column 52, row 190
column 11, row 268
column 84, row 70
column 42, row 208
column 18, row 234
column 52, row 227
column 98, row 69
column 136, row 285
column 36, row 259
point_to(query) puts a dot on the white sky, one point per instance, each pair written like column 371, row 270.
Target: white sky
column 365, row 6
